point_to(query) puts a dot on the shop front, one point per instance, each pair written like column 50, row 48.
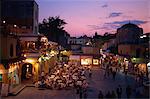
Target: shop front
column 74, row 58
column 13, row 75
column 96, row 62
column 3, row 76
column 141, row 69
column 86, row 61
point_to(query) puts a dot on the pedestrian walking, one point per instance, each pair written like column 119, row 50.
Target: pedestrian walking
column 85, row 94
column 128, row 91
column 114, row 75
column 119, row 92
column 80, row 93
column 100, row 95
column 77, row 89
column 105, row 74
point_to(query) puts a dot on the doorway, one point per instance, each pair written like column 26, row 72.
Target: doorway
column 26, row 71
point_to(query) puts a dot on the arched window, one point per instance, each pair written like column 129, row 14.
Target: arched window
column 11, row 50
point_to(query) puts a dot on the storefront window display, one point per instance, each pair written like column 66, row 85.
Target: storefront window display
column 95, row 62
column 87, row 61
column 13, row 75
column 142, row 68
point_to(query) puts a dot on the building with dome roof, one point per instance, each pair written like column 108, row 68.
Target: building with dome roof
column 128, row 40
column 129, row 34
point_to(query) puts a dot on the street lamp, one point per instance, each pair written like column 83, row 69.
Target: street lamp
column 15, row 25
column 4, row 22
column 15, row 28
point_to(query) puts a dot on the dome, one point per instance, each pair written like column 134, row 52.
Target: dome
column 129, row 25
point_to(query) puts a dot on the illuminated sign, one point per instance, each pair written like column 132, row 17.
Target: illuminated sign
column 87, row 61
column 95, row 61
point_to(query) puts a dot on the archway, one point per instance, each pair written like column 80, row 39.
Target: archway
column 26, row 71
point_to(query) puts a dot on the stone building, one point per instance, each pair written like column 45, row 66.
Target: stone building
column 128, row 40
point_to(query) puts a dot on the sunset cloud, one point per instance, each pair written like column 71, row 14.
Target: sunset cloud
column 116, row 24
column 104, row 6
column 114, row 14
column 137, row 22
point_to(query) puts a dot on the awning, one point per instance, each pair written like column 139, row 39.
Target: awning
column 6, row 62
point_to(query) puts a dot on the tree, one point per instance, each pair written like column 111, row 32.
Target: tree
column 53, row 28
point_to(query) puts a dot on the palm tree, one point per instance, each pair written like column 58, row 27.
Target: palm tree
column 53, row 28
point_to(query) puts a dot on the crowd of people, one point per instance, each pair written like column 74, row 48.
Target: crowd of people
column 111, row 65
column 114, row 64
column 72, row 75
column 116, row 93
column 64, row 76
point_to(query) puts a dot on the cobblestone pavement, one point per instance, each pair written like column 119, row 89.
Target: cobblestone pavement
column 96, row 83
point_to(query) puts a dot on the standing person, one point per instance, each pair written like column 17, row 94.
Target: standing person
column 113, row 94
column 90, row 73
column 105, row 74
column 85, row 94
column 128, row 91
column 77, row 89
column 126, row 72
column 113, row 73
column 42, row 75
column 108, row 95
column 100, row 95
column 108, row 70
column 80, row 92
column 119, row 92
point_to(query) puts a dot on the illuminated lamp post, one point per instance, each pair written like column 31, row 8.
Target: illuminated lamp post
column 15, row 26
column 5, row 27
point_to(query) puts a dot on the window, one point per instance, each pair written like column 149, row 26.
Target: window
column 11, row 50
